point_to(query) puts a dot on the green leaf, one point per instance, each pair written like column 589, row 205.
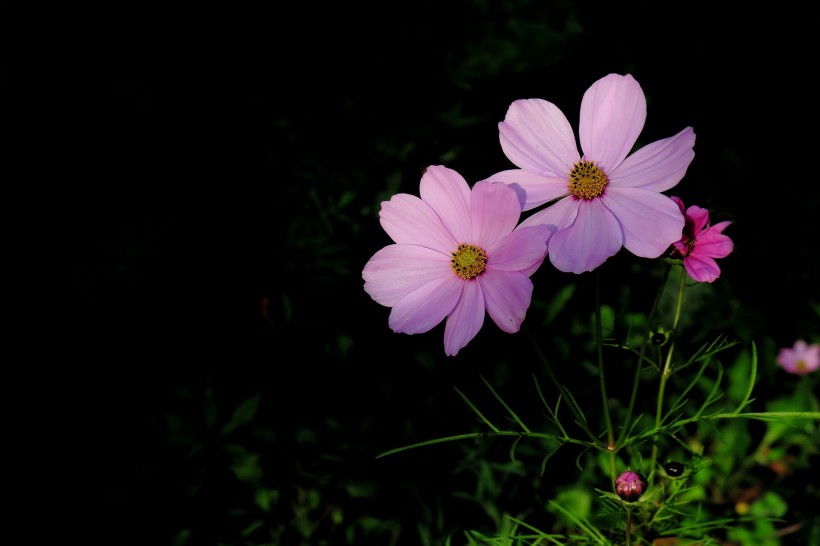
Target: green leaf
column 506, row 407
column 245, row 463
column 242, row 415
column 477, row 412
column 559, row 302
column 751, row 384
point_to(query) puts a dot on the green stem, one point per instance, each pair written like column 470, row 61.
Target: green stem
column 628, row 526
column 604, row 398
column 666, row 372
column 649, row 324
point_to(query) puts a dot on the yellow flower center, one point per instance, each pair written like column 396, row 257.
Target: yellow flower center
column 468, row 261
column 801, row 365
column 587, row 180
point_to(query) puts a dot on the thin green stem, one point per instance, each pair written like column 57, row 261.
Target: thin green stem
column 666, row 372
column 628, row 526
column 599, row 343
column 649, row 324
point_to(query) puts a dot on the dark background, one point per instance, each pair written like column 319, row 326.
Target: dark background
column 220, row 173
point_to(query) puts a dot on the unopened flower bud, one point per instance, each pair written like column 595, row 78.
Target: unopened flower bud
column 629, row 486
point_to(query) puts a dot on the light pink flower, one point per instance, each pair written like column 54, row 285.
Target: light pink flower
column 800, row 359
column 606, row 198
column 456, row 253
column 701, row 243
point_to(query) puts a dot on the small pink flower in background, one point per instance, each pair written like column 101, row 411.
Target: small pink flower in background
column 605, row 200
column 701, row 243
column 800, row 359
column 456, row 254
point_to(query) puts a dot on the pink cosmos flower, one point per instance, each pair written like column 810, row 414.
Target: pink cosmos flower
column 456, row 254
column 606, row 198
column 701, row 243
column 800, row 359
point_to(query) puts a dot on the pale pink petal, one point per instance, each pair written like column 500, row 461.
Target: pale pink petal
column 422, row 309
column 409, row 220
column 396, row 270
column 594, row 236
column 536, row 136
column 701, row 268
column 495, row 210
column 657, row 166
column 448, row 194
column 507, row 295
column 559, row 215
column 613, row 112
column 520, row 249
column 699, row 218
column 651, row 222
column 679, row 201
column 534, row 267
column 466, row 319
column 533, row 189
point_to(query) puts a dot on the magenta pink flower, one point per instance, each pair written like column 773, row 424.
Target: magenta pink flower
column 456, row 253
column 800, row 359
column 701, row 243
column 606, row 198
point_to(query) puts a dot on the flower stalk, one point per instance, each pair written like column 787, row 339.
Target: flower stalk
column 642, row 355
column 666, row 372
column 610, row 433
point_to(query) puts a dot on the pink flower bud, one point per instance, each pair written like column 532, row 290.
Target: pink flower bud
column 629, row 486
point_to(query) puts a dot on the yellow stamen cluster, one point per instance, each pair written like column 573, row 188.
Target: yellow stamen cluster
column 468, row 261
column 587, row 180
